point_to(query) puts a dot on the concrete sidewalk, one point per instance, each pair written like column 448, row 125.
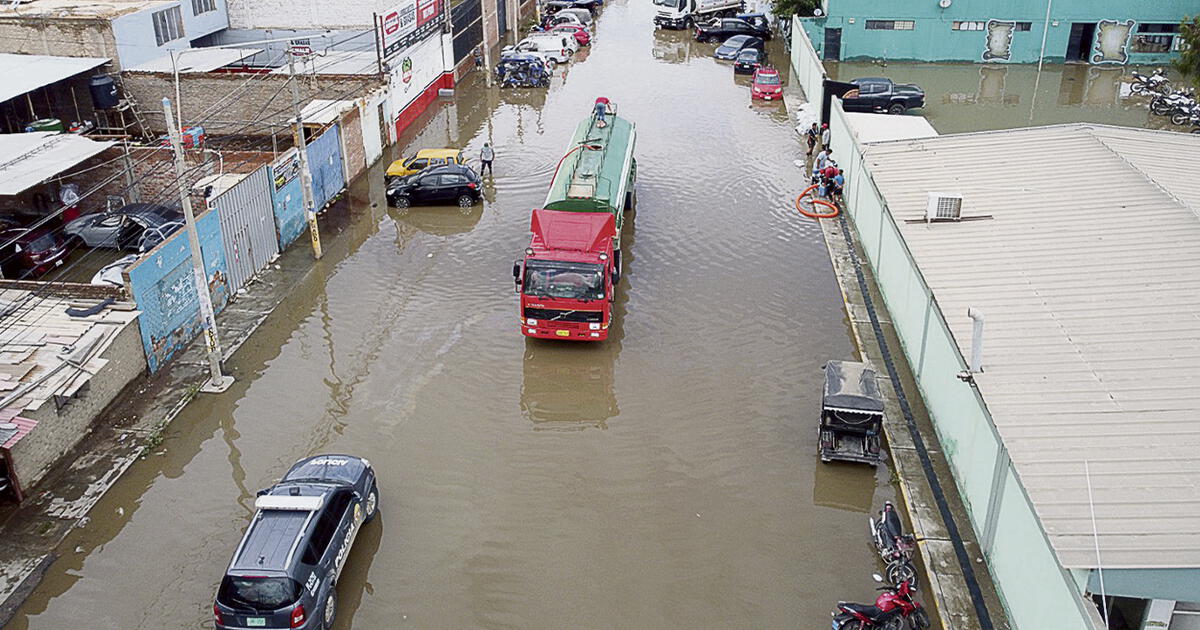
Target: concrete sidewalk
column 129, row 428
column 943, row 583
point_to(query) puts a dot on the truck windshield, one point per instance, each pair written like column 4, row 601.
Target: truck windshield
column 671, row 4
column 564, row 280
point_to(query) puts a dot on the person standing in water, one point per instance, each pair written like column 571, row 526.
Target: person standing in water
column 485, row 158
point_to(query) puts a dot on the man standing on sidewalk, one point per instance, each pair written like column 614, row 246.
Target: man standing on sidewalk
column 824, row 135
column 485, row 158
column 811, row 139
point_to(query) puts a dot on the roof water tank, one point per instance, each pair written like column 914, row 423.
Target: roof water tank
column 104, row 92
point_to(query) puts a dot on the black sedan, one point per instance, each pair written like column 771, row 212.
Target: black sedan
column 437, row 186
column 749, row 60
column 736, row 44
column 26, row 253
column 724, row 28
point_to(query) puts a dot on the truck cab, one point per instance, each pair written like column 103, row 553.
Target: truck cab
column 567, row 279
column 688, row 13
column 879, row 94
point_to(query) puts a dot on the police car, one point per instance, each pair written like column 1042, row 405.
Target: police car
column 284, row 572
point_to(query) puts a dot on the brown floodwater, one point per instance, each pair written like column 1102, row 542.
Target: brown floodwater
column 964, row 97
column 666, row 478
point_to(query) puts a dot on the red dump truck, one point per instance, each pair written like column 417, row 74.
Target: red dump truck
column 567, row 277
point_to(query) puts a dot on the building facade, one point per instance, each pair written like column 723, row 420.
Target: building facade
column 1103, row 32
column 130, row 32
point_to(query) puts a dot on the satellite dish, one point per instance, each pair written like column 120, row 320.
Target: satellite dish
column 819, row 13
column 945, row 4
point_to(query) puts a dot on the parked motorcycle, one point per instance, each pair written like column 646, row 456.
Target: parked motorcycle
column 1166, row 104
column 1156, row 83
column 894, row 546
column 894, row 606
column 1184, row 115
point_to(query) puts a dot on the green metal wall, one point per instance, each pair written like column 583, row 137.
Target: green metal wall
column 1038, row 594
column 933, row 39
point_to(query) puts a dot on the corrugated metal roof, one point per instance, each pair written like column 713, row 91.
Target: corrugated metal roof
column 26, row 73
column 880, row 127
column 1088, row 274
column 28, row 159
column 196, row 60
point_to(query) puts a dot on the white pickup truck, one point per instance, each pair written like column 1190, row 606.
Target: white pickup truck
column 685, row 13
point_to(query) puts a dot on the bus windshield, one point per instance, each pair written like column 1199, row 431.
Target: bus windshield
column 564, row 280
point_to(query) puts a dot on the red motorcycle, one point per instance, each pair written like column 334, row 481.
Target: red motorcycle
column 892, row 608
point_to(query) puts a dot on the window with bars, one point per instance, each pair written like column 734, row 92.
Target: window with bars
column 1024, row 26
column 203, row 6
column 168, row 25
column 967, row 26
column 890, row 25
column 1152, row 43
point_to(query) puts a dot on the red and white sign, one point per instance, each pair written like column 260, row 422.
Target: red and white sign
column 408, row 23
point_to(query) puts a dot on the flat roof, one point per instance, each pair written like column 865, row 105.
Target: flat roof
column 335, row 62
column 883, row 127
column 1088, row 275
column 28, row 159
column 40, row 340
column 76, row 9
column 26, row 73
column 320, row 111
column 197, row 60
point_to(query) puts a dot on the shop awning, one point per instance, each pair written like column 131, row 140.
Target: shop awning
column 197, row 60
column 26, row 73
column 28, row 159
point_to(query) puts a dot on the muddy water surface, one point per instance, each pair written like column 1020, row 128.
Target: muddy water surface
column 666, row 478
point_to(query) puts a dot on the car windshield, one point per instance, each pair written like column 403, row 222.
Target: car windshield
column 736, row 41
column 748, row 55
column 257, row 593
column 565, row 280
column 768, row 79
column 667, row 3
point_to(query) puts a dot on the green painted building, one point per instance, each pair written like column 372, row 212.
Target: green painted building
column 1016, row 31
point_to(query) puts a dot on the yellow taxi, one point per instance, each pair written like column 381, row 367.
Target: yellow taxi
column 424, row 159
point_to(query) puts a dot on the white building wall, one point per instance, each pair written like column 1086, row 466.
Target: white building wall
column 134, row 32
column 305, row 14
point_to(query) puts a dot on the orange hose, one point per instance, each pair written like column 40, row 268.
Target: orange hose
column 816, row 215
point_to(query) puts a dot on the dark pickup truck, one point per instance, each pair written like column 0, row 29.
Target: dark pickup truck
column 877, row 94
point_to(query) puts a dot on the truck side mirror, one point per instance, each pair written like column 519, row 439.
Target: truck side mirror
column 516, row 276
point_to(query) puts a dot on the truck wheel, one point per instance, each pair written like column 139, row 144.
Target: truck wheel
column 896, row 108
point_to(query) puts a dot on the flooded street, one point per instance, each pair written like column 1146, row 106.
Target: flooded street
column 665, row 478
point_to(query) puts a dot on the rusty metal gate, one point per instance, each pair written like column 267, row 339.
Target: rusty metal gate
column 247, row 227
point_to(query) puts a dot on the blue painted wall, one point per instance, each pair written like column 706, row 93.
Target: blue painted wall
column 325, row 162
column 288, row 198
column 165, row 292
column 933, row 38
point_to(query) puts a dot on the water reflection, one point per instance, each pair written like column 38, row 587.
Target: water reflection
column 352, row 583
column 437, row 220
column 675, row 46
column 844, row 486
column 569, row 386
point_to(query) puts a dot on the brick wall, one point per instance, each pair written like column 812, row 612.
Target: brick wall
column 265, row 102
column 154, row 174
column 60, row 429
column 354, row 154
column 303, row 14
column 59, row 36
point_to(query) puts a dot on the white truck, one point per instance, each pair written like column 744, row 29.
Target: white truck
column 686, row 13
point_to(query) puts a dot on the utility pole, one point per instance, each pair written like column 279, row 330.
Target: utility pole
column 302, row 145
column 217, row 381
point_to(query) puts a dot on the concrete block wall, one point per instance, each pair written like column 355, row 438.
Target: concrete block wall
column 305, row 13
column 154, row 174
column 354, row 154
column 58, row 36
column 262, row 105
column 60, row 429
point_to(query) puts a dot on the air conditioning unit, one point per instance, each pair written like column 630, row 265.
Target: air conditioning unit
column 943, row 207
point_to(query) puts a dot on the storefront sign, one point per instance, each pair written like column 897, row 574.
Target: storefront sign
column 408, row 23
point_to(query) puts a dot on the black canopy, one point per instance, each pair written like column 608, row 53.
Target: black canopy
column 851, row 385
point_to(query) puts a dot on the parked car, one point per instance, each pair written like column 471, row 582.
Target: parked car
column 583, row 15
column 557, row 40
column 736, row 44
column 121, row 228
column 438, row 186
column 564, row 17
column 423, row 159
column 766, row 85
column 723, row 28
column 284, row 573
column 877, row 94
column 580, row 33
column 555, row 48
column 26, row 253
column 110, row 274
column 749, row 60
